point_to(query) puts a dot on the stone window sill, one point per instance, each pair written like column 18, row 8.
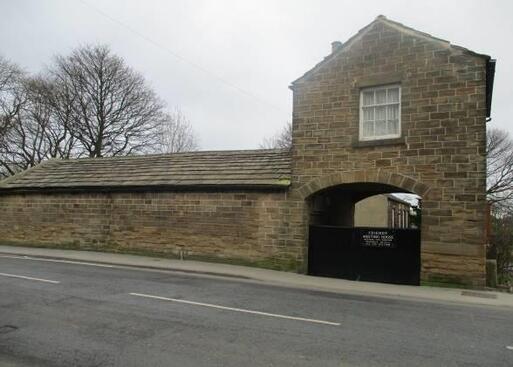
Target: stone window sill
column 378, row 143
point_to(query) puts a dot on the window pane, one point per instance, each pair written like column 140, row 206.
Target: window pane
column 393, row 127
column 368, row 113
column 368, row 129
column 381, row 96
column 393, row 95
column 381, row 128
column 368, row 98
column 381, row 113
column 393, row 112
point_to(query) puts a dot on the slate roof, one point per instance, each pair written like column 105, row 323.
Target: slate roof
column 266, row 168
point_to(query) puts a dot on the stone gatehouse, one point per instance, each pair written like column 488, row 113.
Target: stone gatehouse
column 390, row 110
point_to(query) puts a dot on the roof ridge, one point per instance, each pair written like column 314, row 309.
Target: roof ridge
column 196, row 152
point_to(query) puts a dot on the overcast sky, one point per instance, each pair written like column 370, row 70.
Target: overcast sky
column 228, row 64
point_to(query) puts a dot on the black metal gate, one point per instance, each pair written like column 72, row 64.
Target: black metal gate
column 367, row 254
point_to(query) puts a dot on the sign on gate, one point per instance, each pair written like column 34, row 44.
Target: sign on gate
column 376, row 238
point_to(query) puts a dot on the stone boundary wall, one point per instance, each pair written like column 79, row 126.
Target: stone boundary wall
column 231, row 226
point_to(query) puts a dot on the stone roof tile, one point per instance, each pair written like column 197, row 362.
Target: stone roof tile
column 237, row 168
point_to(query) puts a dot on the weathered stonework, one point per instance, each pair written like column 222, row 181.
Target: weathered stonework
column 440, row 155
column 242, row 227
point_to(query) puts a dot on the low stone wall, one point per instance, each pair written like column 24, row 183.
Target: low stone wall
column 234, row 226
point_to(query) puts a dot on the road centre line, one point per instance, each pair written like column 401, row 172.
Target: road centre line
column 56, row 261
column 29, row 278
column 235, row 309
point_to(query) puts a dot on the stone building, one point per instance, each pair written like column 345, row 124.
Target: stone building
column 390, row 110
column 385, row 211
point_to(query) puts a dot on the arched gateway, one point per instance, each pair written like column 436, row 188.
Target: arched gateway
column 339, row 248
column 390, row 110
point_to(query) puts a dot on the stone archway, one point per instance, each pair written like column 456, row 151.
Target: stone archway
column 398, row 180
column 334, row 223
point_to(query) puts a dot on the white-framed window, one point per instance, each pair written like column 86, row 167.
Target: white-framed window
column 380, row 112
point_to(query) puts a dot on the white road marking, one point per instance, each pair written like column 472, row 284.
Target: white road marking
column 56, row 261
column 509, row 347
column 236, row 309
column 29, row 278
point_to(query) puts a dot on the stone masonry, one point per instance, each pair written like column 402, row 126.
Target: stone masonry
column 252, row 207
column 240, row 227
column 440, row 155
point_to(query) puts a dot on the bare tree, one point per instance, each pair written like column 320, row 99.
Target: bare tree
column 502, row 243
column 87, row 104
column 177, row 134
column 23, row 145
column 499, row 166
column 10, row 99
column 36, row 131
column 500, row 194
column 112, row 110
column 281, row 140
column 43, row 108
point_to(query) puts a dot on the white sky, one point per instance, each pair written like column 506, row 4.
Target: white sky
column 250, row 50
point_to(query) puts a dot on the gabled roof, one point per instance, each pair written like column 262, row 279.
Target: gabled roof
column 266, row 168
column 400, row 27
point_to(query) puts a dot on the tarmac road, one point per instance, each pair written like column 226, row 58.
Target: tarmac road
column 68, row 314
